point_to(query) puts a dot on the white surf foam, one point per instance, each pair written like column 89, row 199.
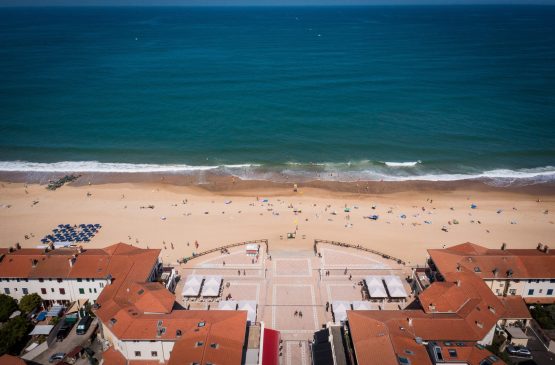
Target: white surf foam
column 95, row 166
column 402, row 164
column 352, row 171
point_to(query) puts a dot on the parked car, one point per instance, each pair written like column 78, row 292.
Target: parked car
column 83, row 325
column 517, row 350
column 64, row 331
column 57, row 357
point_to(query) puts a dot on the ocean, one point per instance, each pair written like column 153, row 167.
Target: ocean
column 331, row 93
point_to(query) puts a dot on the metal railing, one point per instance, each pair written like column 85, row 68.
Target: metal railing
column 195, row 255
column 358, row 247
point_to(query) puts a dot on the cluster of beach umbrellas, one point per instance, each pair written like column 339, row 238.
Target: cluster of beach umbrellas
column 69, row 233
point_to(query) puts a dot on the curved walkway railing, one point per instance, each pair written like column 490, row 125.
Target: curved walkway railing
column 358, row 247
column 195, row 255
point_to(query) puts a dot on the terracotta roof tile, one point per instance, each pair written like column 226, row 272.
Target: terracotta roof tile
column 515, row 307
column 11, row 360
column 495, row 263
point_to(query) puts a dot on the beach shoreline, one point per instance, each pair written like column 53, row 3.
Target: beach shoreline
column 163, row 210
column 229, row 184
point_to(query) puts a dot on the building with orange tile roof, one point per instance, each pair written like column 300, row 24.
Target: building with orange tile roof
column 65, row 275
column 454, row 319
column 529, row 273
column 11, row 360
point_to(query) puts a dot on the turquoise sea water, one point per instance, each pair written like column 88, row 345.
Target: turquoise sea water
column 335, row 93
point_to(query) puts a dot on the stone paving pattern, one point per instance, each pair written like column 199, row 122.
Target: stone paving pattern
column 285, row 282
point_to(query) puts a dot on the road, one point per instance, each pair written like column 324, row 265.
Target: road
column 68, row 344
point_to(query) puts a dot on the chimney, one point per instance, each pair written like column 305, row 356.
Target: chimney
column 11, row 249
column 495, row 271
column 80, row 249
column 479, row 324
column 546, row 249
column 458, row 267
column 503, row 246
column 34, row 262
column 72, row 261
column 17, row 246
column 540, row 246
column 410, row 321
column 432, row 307
column 458, row 283
column 509, row 273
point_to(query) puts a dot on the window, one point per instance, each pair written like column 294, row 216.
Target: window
column 95, row 290
column 7, row 290
column 25, row 291
column 154, row 353
column 452, row 352
column 199, row 344
column 88, row 279
column 59, row 280
column 41, row 280
column 530, row 291
column 43, row 290
column 17, row 280
column 214, row 345
column 62, row 291
column 549, row 291
column 90, row 290
column 541, row 291
column 512, row 291
column 81, row 291
column 552, row 280
column 26, row 280
column 102, row 285
column 538, row 280
column 137, row 353
column 52, row 290
column 79, row 280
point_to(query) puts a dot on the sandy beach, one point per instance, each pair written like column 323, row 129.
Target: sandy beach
column 160, row 213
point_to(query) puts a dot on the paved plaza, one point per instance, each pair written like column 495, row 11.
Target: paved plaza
column 292, row 290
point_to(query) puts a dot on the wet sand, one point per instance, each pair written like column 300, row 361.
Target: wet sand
column 411, row 215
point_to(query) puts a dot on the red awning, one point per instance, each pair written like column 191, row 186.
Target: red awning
column 270, row 351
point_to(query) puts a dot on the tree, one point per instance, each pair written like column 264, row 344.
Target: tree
column 13, row 335
column 7, row 306
column 29, row 302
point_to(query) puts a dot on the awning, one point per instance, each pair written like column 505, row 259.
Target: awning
column 227, row 305
column 252, row 247
column 340, row 309
column 250, row 307
column 270, row 347
column 516, row 332
column 395, row 286
column 359, row 305
column 55, row 311
column 41, row 329
column 375, row 286
column 77, row 305
column 210, row 291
